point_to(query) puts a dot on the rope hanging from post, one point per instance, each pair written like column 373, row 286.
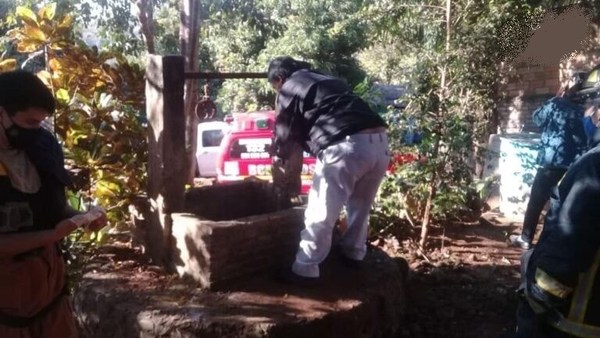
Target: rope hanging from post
column 206, row 109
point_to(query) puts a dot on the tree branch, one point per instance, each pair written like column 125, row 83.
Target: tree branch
column 427, row 6
column 146, row 17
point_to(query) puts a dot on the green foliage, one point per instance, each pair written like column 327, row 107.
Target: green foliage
column 114, row 24
column 455, row 116
column 371, row 95
column 99, row 106
column 395, row 41
column 244, row 36
column 166, row 28
column 240, row 35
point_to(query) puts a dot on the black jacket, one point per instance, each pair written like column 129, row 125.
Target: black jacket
column 47, row 206
column 571, row 234
column 318, row 110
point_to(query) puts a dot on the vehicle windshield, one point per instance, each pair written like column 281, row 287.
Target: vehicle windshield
column 212, row 138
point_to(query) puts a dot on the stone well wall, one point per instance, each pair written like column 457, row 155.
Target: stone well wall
column 233, row 200
column 244, row 233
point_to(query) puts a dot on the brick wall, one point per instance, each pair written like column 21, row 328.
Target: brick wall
column 524, row 89
column 527, row 85
column 528, row 80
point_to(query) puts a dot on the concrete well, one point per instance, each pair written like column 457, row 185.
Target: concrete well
column 230, row 292
column 229, row 231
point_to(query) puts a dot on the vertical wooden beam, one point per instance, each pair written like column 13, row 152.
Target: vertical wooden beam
column 166, row 142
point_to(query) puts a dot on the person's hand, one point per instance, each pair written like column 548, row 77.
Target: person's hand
column 278, row 161
column 92, row 220
column 63, row 229
column 99, row 222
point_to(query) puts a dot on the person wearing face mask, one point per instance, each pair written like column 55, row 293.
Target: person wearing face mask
column 34, row 214
column 350, row 143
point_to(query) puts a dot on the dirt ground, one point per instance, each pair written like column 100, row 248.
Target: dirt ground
column 466, row 285
column 121, row 295
column 463, row 287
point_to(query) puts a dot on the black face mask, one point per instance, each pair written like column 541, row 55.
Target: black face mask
column 19, row 137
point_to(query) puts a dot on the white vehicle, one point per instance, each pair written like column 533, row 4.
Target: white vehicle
column 210, row 135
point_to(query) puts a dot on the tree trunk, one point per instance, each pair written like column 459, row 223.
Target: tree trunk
column 431, row 191
column 188, row 37
column 146, row 17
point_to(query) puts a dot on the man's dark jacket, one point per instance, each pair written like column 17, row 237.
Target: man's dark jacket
column 317, row 110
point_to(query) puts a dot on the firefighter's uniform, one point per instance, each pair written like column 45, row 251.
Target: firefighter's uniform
column 561, row 280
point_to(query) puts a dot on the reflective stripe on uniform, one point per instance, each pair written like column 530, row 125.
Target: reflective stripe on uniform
column 577, row 329
column 550, row 285
column 574, row 324
column 582, row 294
column 557, row 320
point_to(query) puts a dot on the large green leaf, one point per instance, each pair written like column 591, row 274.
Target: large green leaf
column 27, row 15
column 47, row 12
column 34, row 33
column 63, row 95
column 8, row 65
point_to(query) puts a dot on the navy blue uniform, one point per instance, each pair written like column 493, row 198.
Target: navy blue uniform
column 568, row 248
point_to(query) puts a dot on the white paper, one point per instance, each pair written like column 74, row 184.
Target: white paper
column 88, row 217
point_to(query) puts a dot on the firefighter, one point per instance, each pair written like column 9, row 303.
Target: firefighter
column 34, row 214
column 560, row 282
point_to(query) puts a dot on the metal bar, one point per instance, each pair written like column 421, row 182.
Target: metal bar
column 215, row 75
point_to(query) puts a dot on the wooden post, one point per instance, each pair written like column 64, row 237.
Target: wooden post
column 166, row 162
